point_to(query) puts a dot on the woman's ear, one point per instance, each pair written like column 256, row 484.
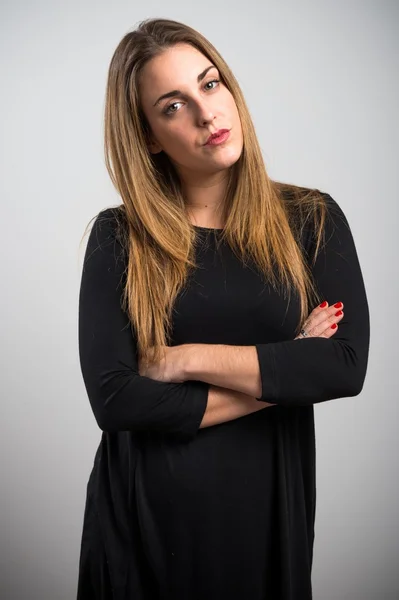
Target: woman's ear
column 154, row 147
column 152, row 144
column 150, row 140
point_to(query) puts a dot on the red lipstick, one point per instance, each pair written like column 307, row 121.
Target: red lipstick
column 218, row 137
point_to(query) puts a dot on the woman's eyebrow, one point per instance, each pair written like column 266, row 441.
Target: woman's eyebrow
column 178, row 92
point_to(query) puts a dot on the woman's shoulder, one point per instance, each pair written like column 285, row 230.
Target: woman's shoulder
column 111, row 218
column 314, row 216
column 302, row 203
column 110, row 224
column 107, row 234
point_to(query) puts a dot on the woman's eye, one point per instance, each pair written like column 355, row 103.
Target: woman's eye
column 213, row 81
column 169, row 109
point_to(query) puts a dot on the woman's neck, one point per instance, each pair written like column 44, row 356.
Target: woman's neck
column 204, row 201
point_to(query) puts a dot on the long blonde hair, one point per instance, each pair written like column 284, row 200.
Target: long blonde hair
column 263, row 218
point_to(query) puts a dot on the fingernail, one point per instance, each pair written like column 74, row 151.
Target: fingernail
column 323, row 304
column 338, row 305
column 339, row 313
column 334, row 326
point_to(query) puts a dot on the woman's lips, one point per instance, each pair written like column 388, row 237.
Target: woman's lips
column 215, row 141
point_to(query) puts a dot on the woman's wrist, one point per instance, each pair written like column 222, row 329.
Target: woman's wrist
column 227, row 405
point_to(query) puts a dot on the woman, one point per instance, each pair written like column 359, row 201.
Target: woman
column 211, row 320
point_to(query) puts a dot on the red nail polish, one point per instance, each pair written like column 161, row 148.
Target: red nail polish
column 338, row 305
column 334, row 326
column 339, row 313
column 323, row 304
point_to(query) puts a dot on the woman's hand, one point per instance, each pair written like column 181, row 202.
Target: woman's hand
column 170, row 368
column 323, row 321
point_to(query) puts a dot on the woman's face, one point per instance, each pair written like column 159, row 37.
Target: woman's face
column 182, row 122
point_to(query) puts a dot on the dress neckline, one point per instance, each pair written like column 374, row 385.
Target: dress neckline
column 207, row 228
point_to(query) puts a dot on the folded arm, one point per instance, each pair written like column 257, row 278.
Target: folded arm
column 121, row 398
column 310, row 370
column 233, row 367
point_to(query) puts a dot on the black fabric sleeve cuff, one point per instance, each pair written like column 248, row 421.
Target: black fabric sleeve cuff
column 267, row 366
column 198, row 392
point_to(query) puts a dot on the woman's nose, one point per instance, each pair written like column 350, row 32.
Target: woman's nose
column 206, row 115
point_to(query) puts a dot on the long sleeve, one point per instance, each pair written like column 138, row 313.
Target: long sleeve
column 311, row 370
column 122, row 399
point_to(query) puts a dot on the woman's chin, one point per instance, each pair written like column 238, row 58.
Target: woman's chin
column 226, row 160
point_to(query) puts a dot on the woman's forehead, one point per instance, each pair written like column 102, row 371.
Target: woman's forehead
column 171, row 71
column 182, row 62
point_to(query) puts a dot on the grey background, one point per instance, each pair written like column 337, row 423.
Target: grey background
column 321, row 81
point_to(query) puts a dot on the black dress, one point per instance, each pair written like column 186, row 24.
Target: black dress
column 225, row 512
